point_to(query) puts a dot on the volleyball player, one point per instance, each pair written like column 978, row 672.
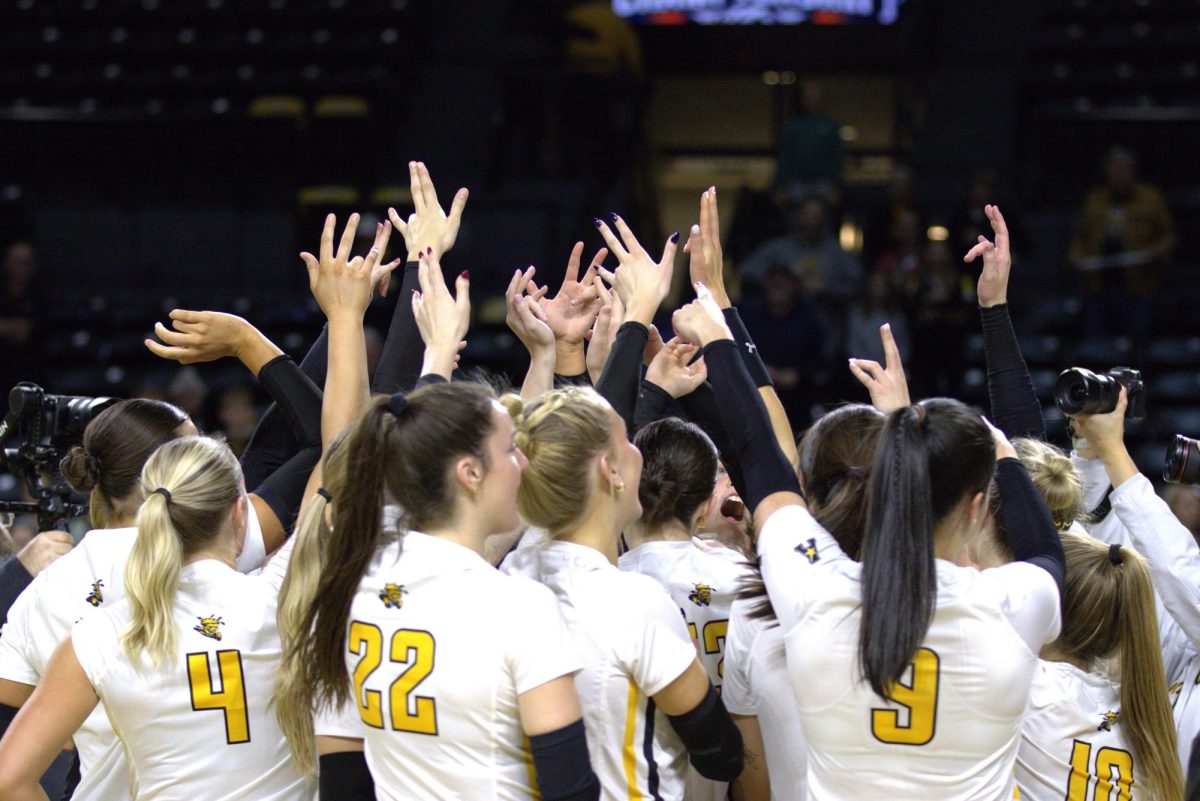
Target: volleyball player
column 905, row 650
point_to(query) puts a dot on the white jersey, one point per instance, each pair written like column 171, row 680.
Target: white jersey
column 634, row 644
column 88, row 579
column 439, row 647
column 951, row 726
column 201, row 726
column 1072, row 742
column 1142, row 519
column 757, row 683
column 703, row 584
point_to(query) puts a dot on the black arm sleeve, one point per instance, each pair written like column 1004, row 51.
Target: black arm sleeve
column 581, row 380
column 622, row 373
column 297, row 397
column 14, row 578
column 713, row 742
column 273, row 441
column 283, row 490
column 1015, row 407
column 563, row 767
column 429, row 378
column 701, row 408
column 747, row 348
column 400, row 360
column 1028, row 525
column 765, row 468
column 345, row 777
column 652, row 404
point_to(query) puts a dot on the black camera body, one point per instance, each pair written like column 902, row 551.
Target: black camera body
column 1182, row 465
column 35, row 436
column 1080, row 391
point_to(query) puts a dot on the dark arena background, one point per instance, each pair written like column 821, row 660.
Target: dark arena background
column 162, row 154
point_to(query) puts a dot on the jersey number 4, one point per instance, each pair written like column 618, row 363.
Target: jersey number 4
column 230, row 698
column 1108, row 761
column 411, row 713
column 920, row 700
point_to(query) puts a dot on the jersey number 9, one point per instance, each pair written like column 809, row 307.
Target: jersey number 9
column 919, row 698
column 230, row 699
column 410, row 713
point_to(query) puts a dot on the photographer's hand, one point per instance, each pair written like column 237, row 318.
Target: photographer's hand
column 1105, row 434
column 44, row 549
column 205, row 336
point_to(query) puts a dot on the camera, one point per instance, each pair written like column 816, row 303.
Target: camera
column 35, row 436
column 1182, row 465
column 1080, row 391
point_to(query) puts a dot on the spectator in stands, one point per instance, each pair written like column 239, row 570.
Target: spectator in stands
column 19, row 309
column 939, row 305
column 237, row 416
column 828, row 276
column 1185, row 503
column 886, row 224
column 879, row 305
column 810, row 154
column 188, row 391
column 1123, row 239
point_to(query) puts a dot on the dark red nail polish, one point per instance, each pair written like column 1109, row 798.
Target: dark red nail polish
column 465, row 274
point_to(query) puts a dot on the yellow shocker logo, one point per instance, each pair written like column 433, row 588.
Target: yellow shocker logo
column 392, row 595
column 97, row 595
column 1107, row 720
column 210, row 627
column 701, row 595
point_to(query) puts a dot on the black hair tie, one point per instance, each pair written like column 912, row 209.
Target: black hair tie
column 324, row 493
column 163, row 491
column 397, row 404
column 1114, row 554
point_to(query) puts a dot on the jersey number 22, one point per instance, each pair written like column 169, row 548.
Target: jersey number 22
column 411, row 713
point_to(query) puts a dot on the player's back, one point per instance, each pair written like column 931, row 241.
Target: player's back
column 440, row 646
column 951, row 731
column 1073, row 743
column 200, row 726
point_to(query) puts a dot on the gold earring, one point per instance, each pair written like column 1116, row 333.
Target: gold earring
column 619, row 486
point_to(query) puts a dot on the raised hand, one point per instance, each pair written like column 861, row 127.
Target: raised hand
column 997, row 261
column 641, row 283
column 706, row 264
column 442, row 318
column 1004, row 448
column 340, row 283
column 428, row 226
column 670, row 369
column 573, row 309
column 701, row 321
column 604, row 330
column 526, row 316
column 200, row 336
column 887, row 385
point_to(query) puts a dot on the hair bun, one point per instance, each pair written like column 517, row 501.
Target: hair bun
column 81, row 469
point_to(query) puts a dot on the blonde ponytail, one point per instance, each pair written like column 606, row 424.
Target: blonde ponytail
column 190, row 485
column 1109, row 611
column 1056, row 479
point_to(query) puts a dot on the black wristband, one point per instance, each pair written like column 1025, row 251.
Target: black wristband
column 747, row 348
column 430, row 378
column 297, row 397
column 713, row 742
column 581, row 380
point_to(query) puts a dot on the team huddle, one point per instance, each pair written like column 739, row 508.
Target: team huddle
column 626, row 579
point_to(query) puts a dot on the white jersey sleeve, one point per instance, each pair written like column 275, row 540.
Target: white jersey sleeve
column 1029, row 599
column 1169, row 548
column 254, row 548
column 736, row 691
column 656, row 648
column 795, row 549
column 89, row 639
column 15, row 641
column 542, row 648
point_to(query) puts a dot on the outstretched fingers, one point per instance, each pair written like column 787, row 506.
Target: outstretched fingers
column 891, row 353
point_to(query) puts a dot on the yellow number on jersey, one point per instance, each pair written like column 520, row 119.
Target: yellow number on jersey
column 714, row 640
column 919, row 698
column 409, row 646
column 230, row 699
column 1108, row 761
column 366, row 640
column 416, row 648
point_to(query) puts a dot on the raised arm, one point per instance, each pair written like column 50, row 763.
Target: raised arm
column 642, row 285
column 441, row 318
column 672, row 374
column 526, row 318
column 571, row 313
column 1015, row 407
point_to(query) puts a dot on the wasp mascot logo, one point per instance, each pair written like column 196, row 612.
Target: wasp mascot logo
column 96, row 597
column 1108, row 720
column 392, row 595
column 701, row 595
column 210, row 627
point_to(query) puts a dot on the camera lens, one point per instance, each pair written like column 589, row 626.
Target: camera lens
column 1182, row 465
column 1080, row 391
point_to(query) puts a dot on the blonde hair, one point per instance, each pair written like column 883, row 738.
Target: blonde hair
column 293, row 701
column 1109, row 611
column 1055, row 478
column 560, row 433
column 189, row 484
